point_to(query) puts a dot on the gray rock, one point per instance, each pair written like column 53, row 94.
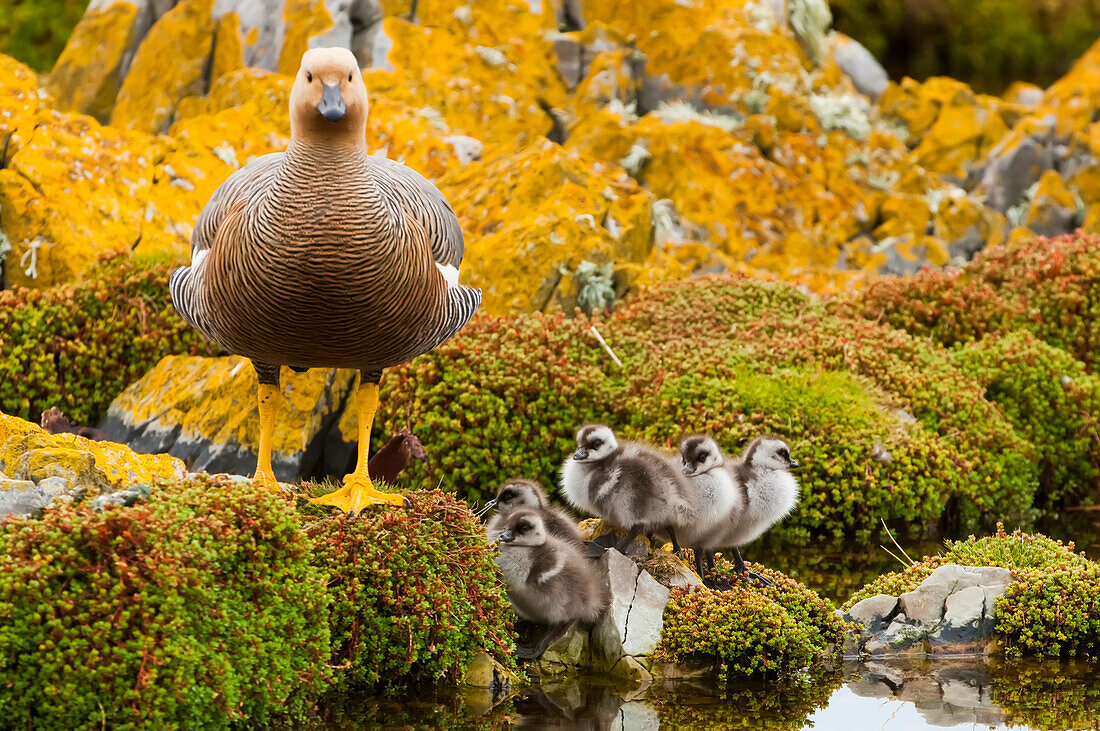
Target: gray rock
column 965, row 608
column 633, row 621
column 961, row 694
column 19, row 498
column 857, row 63
column 873, row 610
column 1010, row 173
column 925, row 604
column 638, row 716
column 129, row 496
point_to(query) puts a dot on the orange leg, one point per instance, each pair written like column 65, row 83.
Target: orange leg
column 270, row 399
column 358, row 491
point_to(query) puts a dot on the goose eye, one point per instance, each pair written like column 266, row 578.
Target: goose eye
column 349, row 76
column 309, row 76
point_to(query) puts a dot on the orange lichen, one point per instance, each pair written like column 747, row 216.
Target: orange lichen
column 168, row 66
column 532, row 217
column 87, row 76
column 228, row 46
column 304, row 20
column 27, row 449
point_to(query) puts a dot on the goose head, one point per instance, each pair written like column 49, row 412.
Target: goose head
column 700, row 454
column 517, row 494
column 595, row 442
column 770, row 453
column 329, row 99
column 523, row 528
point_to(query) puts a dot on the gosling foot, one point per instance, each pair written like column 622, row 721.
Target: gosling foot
column 357, row 494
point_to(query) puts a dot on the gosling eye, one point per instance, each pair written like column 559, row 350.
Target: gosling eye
column 595, row 444
column 702, row 456
column 309, row 77
column 507, row 496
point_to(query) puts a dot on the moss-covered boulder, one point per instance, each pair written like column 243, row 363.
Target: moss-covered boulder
column 747, row 631
column 198, row 608
column 78, row 346
column 1048, row 611
column 415, row 595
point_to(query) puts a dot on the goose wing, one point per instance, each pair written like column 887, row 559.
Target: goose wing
column 423, row 201
column 226, row 202
column 239, row 186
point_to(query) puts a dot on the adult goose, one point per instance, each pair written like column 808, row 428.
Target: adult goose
column 326, row 256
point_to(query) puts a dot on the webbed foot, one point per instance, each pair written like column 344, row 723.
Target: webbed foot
column 357, row 494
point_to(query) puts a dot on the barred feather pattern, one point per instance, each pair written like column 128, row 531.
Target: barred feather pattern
column 325, row 257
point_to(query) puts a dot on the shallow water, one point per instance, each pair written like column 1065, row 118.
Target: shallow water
column 959, row 694
column 893, row 696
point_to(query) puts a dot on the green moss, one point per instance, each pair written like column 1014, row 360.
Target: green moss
column 35, row 31
column 1050, row 610
column 79, row 346
column 886, row 424
column 1051, row 401
column 987, row 43
column 748, row 631
column 195, row 609
column 415, row 593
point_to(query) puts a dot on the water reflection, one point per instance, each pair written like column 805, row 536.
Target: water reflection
column 898, row 696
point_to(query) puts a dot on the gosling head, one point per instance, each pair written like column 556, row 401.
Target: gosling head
column 769, row 453
column 523, row 528
column 517, row 494
column 595, row 442
column 329, row 99
column 700, row 454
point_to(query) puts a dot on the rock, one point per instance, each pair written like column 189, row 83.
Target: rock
column 66, row 466
column 1011, row 171
column 129, row 496
column 571, row 650
column 965, row 608
column 28, row 452
column 19, row 498
column 485, row 672
column 951, row 612
column 203, row 411
column 631, row 669
column 170, row 64
column 88, row 74
column 873, row 610
column 633, row 621
column 857, row 63
column 1053, row 208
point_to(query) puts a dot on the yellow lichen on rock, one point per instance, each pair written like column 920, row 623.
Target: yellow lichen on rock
column 168, row 66
column 484, row 72
column 212, row 401
column 29, row 452
column 304, row 20
column 101, row 175
column 532, row 217
column 87, row 76
column 1052, row 205
column 21, row 98
column 228, row 46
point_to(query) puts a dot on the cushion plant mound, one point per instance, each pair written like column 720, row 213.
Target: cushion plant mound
column 748, row 631
column 1051, row 609
column 196, row 609
column 414, row 592
column 1052, row 401
column 886, row 424
column 1050, row 287
column 78, row 346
